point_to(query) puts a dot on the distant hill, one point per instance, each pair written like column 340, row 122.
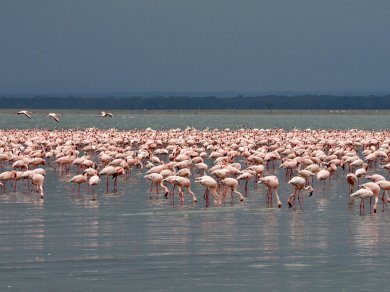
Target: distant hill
column 198, row 103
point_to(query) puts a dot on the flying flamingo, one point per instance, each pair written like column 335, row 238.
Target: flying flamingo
column 299, row 184
column 106, row 114
column 26, row 113
column 54, row 116
column 272, row 183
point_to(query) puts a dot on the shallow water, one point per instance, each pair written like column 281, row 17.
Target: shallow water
column 129, row 242
column 163, row 120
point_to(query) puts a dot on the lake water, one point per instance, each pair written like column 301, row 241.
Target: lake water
column 125, row 241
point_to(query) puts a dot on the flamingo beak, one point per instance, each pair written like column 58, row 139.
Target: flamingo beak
column 311, row 193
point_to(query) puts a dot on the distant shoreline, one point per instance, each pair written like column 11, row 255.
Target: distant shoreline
column 174, row 103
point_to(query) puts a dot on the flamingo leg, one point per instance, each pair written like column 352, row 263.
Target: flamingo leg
column 370, row 203
column 181, row 195
column 267, row 195
column 116, row 184
column 194, row 199
column 292, row 196
column 206, row 196
column 93, row 193
column 300, row 198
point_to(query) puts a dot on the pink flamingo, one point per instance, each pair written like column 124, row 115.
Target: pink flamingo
column 272, row 183
column 157, row 180
column 299, row 184
column 7, row 175
column 26, row 113
column 323, row 174
column 232, row 184
column 37, row 180
column 183, row 182
column 385, row 186
column 79, row 179
column 352, row 180
column 247, row 175
column 114, row 172
column 54, row 116
column 211, row 186
column 94, row 181
column 375, row 189
column 362, row 194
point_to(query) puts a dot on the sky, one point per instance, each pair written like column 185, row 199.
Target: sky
column 81, row 46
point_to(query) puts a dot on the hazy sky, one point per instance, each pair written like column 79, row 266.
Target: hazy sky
column 177, row 45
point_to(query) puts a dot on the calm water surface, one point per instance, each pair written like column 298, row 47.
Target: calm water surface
column 129, row 242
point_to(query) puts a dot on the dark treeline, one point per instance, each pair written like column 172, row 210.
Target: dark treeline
column 199, row 103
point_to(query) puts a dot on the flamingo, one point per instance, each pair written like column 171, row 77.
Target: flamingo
column 183, row 182
column 362, row 194
column 387, row 167
column 306, row 174
column 114, row 172
column 360, row 172
column 272, row 183
column 299, row 184
column 94, row 181
column 211, row 186
column 247, row 175
column 79, row 179
column 3, row 157
column 375, row 177
column 385, row 186
column 232, row 183
column 54, row 116
column 157, row 179
column 106, row 114
column 351, row 179
column 323, row 174
column 37, row 180
column 374, row 187
column 289, row 166
column 201, row 167
column 26, row 113
column 7, row 175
